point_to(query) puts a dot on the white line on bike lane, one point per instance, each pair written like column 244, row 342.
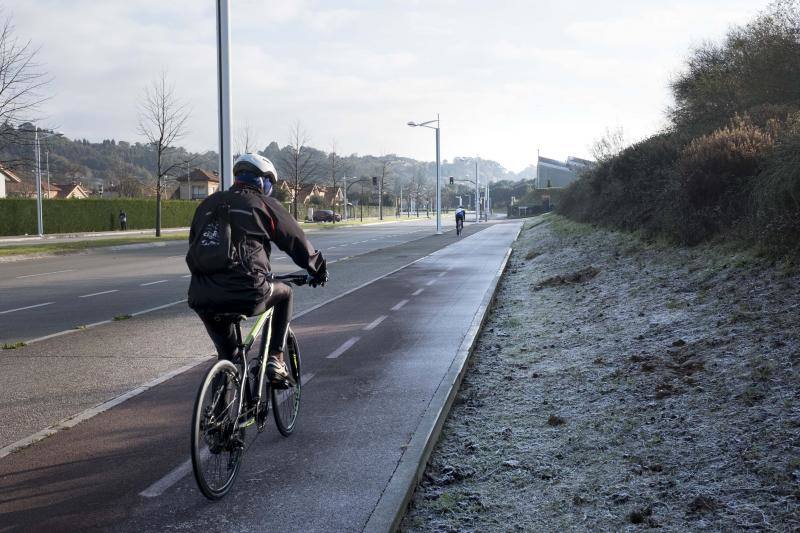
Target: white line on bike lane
column 399, row 305
column 375, row 323
column 176, row 474
column 417, row 292
column 343, row 348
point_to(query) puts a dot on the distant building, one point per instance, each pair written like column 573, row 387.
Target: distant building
column 554, row 173
column 7, row 176
column 73, row 191
column 197, row 186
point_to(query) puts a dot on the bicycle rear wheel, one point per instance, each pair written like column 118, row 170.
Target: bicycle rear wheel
column 286, row 400
column 217, row 442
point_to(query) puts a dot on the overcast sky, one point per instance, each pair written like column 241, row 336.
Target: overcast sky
column 505, row 76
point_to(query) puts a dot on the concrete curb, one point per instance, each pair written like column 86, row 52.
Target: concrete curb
column 394, row 500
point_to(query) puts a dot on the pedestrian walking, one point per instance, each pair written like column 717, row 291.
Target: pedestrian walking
column 123, row 220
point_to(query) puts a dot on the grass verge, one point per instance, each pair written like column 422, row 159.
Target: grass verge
column 78, row 246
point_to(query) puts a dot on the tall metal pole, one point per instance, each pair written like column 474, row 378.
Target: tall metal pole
column 47, row 158
column 537, row 168
column 477, row 194
column 438, row 179
column 39, row 221
column 224, row 93
column 344, row 178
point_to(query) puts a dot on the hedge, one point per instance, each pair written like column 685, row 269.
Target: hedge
column 18, row 215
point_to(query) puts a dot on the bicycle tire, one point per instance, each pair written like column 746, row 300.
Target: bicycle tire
column 286, row 401
column 216, row 442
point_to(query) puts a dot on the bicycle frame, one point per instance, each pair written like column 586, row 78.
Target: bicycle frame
column 244, row 347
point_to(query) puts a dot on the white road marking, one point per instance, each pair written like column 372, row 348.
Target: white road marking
column 417, row 292
column 158, row 308
column 442, row 274
column 98, row 293
column 23, row 308
column 44, row 274
column 159, row 487
column 154, row 282
column 399, row 305
column 343, row 348
column 431, row 282
column 187, row 276
column 375, row 323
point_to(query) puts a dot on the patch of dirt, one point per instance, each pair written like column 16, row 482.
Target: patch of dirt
column 579, row 276
column 659, row 390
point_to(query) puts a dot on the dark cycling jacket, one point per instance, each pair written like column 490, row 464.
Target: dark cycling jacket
column 256, row 221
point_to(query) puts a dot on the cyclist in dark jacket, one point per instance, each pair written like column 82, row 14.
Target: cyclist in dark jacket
column 256, row 220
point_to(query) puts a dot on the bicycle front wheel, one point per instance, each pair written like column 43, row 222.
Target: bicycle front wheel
column 286, row 400
column 217, row 441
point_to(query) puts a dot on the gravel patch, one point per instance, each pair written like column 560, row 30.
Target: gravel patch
column 619, row 385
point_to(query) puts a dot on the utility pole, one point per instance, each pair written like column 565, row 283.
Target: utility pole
column 47, row 158
column 477, row 193
column 344, row 180
column 39, row 222
column 224, row 93
column 537, row 168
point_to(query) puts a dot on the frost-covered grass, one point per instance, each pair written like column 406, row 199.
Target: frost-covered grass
column 662, row 391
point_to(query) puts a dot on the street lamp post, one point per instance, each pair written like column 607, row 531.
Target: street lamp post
column 224, row 93
column 39, row 221
column 477, row 195
column 38, row 159
column 438, row 169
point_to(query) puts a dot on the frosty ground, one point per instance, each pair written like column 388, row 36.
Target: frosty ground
column 623, row 385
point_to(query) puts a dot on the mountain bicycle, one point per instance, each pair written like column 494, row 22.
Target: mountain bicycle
column 235, row 395
column 459, row 226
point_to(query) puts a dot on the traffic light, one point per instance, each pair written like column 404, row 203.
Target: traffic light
column 451, row 180
column 374, row 181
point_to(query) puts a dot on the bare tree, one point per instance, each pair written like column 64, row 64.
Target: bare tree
column 609, row 145
column 22, row 81
column 162, row 121
column 298, row 162
column 335, row 167
column 130, row 187
column 246, row 141
column 384, row 171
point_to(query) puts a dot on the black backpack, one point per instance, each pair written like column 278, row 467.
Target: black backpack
column 211, row 250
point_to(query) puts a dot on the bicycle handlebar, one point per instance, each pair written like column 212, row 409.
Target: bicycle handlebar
column 295, row 279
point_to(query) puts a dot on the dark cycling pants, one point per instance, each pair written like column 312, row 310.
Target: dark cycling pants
column 223, row 334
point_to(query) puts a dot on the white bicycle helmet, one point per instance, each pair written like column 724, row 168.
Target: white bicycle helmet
column 257, row 165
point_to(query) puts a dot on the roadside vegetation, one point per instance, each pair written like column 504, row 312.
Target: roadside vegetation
column 728, row 166
column 58, row 248
column 621, row 384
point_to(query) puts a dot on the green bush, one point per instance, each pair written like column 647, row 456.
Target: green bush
column 18, row 215
column 775, row 222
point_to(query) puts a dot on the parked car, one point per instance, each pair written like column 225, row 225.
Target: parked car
column 326, row 215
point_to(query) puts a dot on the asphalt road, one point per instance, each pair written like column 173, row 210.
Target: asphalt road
column 40, row 297
column 125, row 469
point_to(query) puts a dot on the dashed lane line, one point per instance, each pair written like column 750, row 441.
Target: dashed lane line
column 343, row 348
column 417, row 292
column 375, row 323
column 98, row 293
column 153, row 282
column 44, row 274
column 24, row 308
column 431, row 282
column 399, row 305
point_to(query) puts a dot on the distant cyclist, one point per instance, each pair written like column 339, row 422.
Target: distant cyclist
column 245, row 219
column 460, row 216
